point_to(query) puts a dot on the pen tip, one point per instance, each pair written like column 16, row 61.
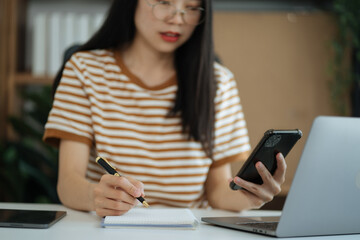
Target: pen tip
column 145, row 204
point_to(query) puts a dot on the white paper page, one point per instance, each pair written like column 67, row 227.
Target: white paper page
column 163, row 217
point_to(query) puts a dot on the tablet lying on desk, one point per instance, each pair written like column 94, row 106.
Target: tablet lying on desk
column 29, row 218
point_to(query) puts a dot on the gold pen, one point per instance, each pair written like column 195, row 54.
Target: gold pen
column 111, row 170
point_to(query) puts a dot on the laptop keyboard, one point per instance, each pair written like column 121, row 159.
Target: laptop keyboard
column 263, row 225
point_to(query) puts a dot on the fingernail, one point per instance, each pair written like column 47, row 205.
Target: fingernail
column 237, row 179
column 137, row 192
column 259, row 164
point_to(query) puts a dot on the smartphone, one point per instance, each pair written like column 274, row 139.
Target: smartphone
column 273, row 142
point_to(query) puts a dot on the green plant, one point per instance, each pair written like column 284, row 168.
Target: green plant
column 28, row 170
column 346, row 55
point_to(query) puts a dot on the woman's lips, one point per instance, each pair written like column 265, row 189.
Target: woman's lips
column 170, row 36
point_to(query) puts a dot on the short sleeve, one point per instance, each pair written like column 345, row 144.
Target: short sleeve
column 70, row 116
column 231, row 135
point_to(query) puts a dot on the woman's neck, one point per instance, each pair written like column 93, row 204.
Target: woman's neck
column 151, row 67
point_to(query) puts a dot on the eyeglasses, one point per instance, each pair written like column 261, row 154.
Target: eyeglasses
column 166, row 10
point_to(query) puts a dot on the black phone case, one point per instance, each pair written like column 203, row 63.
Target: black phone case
column 273, row 142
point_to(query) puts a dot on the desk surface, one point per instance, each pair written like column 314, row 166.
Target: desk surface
column 84, row 225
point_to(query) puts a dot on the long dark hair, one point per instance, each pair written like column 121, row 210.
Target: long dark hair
column 194, row 63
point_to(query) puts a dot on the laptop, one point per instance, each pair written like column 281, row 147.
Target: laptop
column 324, row 198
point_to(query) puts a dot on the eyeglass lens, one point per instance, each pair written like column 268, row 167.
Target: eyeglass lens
column 166, row 10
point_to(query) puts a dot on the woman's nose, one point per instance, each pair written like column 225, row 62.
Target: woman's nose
column 178, row 17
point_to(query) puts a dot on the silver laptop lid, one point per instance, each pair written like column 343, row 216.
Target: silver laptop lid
column 324, row 198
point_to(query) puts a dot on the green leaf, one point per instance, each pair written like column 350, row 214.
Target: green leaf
column 347, row 14
column 28, row 170
column 39, row 177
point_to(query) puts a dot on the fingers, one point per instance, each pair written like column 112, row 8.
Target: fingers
column 102, row 212
column 279, row 174
column 110, row 207
column 123, row 183
column 119, row 195
column 269, row 183
column 112, row 204
column 116, row 195
column 139, row 185
column 259, row 191
column 261, row 194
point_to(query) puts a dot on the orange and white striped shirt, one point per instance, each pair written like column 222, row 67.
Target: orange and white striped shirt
column 101, row 103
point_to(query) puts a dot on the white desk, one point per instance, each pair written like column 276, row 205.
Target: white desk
column 81, row 225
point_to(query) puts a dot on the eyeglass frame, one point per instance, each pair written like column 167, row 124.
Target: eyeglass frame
column 182, row 12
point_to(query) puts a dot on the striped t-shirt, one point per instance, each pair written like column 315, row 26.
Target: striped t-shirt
column 101, row 103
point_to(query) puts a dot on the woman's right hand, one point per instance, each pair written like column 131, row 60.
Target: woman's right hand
column 115, row 195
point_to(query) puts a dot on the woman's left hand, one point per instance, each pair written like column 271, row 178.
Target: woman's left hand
column 257, row 194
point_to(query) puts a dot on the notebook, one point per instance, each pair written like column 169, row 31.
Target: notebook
column 178, row 218
column 325, row 192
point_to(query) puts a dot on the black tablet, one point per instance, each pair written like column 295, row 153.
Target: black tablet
column 29, row 218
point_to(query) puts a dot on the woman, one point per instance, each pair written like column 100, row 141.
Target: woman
column 145, row 93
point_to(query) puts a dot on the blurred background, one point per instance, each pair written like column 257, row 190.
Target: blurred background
column 293, row 61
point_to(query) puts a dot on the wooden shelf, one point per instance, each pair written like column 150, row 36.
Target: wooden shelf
column 27, row 78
